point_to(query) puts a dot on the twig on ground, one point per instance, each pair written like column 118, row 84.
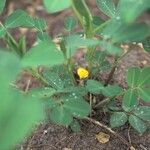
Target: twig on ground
column 129, row 138
column 90, row 97
column 27, row 85
column 142, row 147
column 60, row 141
column 111, row 131
column 102, row 102
column 40, row 146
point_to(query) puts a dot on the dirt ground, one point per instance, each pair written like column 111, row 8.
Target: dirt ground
column 48, row 136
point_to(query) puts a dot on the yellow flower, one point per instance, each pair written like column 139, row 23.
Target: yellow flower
column 82, row 73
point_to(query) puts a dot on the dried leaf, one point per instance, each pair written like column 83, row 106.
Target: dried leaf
column 132, row 148
column 66, row 148
column 102, row 137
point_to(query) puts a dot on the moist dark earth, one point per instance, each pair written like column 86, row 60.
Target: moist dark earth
column 48, row 136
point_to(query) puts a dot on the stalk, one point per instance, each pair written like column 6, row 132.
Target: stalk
column 84, row 16
column 67, row 62
column 115, row 65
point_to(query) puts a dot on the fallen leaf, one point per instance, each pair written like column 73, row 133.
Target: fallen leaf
column 66, row 148
column 132, row 148
column 102, row 137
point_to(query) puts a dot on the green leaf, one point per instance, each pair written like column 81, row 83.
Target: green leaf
column 99, row 57
column 130, row 100
column 70, row 23
column 110, row 48
column 119, row 32
column 131, row 33
column 22, row 45
column 94, row 87
column 143, row 112
column 81, row 91
column 144, row 78
column 63, row 74
column 112, row 90
column 2, row 31
column 75, row 126
column 41, row 93
column 49, row 103
column 53, row 79
column 43, row 37
column 137, row 124
column 144, row 94
column 18, row 120
column 15, row 108
column 111, row 28
column 60, row 115
column 138, row 7
column 107, row 7
column 9, row 66
column 2, row 5
column 146, row 44
column 84, row 16
column 37, row 23
column 112, row 105
column 45, row 53
column 100, row 62
column 16, row 19
column 118, row 119
column 53, row 6
column 133, row 75
column 20, row 18
column 75, row 41
column 77, row 107
column 97, row 21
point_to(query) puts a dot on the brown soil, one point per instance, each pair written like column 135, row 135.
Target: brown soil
column 52, row 137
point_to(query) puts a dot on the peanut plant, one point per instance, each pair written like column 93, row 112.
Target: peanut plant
column 70, row 91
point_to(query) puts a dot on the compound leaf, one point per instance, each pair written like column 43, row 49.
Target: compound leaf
column 2, row 5
column 61, row 116
column 146, row 44
column 45, row 53
column 144, row 93
column 143, row 112
column 94, row 87
column 137, row 124
column 70, row 23
column 133, row 75
column 130, row 100
column 129, row 15
column 144, row 78
column 107, row 7
column 111, row 90
column 53, row 6
column 77, row 107
column 118, row 119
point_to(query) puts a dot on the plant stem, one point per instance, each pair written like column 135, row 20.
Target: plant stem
column 107, row 100
column 111, row 131
column 36, row 74
column 101, row 26
column 115, row 65
column 70, row 71
column 84, row 16
column 102, row 102
column 111, row 74
column 67, row 61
